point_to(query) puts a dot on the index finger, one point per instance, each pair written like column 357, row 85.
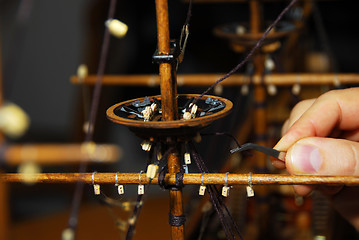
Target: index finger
column 338, row 109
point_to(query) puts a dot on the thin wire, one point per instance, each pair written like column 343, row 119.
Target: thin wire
column 226, row 219
column 258, row 44
column 75, row 206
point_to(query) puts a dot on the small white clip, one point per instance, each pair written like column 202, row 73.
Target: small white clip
column 202, row 188
column 141, row 187
column 146, row 145
column 250, row 191
column 296, row 87
column 120, row 188
column 336, row 81
column 225, row 188
column 187, row 158
column 96, row 187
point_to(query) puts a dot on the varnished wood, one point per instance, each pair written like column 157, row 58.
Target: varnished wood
column 168, row 81
column 278, row 79
column 188, row 179
column 176, row 202
column 56, row 154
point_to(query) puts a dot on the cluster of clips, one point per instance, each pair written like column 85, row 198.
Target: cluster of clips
column 226, row 187
column 120, row 187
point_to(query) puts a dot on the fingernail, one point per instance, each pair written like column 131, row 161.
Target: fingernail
column 306, row 158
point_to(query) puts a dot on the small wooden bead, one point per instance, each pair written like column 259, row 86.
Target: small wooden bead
column 245, row 89
column 218, row 89
column 269, row 64
column 296, row 89
column 272, row 89
column 68, row 234
column 116, row 27
column 240, row 29
column 14, row 122
column 152, row 170
column 187, row 116
column 82, row 72
column 146, row 146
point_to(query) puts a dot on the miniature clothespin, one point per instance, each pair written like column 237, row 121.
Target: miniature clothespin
column 296, row 87
column 202, row 188
column 120, row 188
column 96, row 187
column 141, row 187
column 250, row 191
column 187, row 155
column 225, row 188
column 146, row 145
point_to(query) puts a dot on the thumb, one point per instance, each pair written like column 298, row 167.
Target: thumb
column 323, row 156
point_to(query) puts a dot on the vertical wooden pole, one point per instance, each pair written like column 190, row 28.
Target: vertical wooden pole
column 169, row 107
column 176, row 204
column 168, row 81
column 260, row 122
column 4, row 198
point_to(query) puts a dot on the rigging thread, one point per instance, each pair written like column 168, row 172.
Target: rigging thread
column 250, row 54
column 73, row 219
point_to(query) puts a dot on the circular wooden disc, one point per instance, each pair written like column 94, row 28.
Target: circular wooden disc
column 248, row 39
column 121, row 113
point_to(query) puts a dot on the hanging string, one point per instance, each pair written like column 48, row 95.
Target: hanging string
column 224, row 216
column 140, row 198
column 189, row 13
column 258, row 44
column 73, row 219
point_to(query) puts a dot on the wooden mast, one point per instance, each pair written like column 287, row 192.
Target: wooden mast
column 168, row 85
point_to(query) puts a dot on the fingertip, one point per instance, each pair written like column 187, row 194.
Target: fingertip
column 303, row 190
column 278, row 163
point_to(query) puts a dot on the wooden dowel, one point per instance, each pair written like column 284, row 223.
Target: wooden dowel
column 52, row 154
column 234, row 80
column 188, row 179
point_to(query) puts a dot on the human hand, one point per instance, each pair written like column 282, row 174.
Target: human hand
column 321, row 137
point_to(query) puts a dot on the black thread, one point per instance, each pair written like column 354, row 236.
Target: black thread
column 76, row 201
column 176, row 220
column 258, row 44
column 227, row 221
column 178, row 182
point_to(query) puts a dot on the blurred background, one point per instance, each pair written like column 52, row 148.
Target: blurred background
column 44, row 41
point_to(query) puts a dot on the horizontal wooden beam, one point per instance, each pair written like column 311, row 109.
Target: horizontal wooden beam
column 188, row 179
column 201, row 80
column 59, row 154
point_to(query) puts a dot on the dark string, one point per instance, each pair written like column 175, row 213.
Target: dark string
column 189, row 13
column 219, row 211
column 141, row 198
column 139, row 202
column 258, row 44
column 73, row 219
column 216, row 201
